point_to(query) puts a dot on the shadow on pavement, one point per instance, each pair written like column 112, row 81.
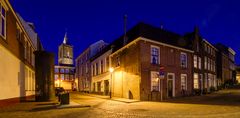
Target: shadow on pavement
column 43, row 108
column 224, row 97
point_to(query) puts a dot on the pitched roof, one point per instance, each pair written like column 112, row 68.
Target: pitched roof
column 152, row 33
column 149, row 32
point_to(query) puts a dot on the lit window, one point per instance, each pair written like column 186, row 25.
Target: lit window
column 62, row 76
column 205, row 62
column 199, row 62
column 2, row 21
column 56, row 76
column 195, row 82
column 155, row 55
column 195, row 61
column 183, row 60
column 183, row 82
column 155, row 86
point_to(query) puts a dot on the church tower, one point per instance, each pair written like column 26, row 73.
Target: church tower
column 65, row 53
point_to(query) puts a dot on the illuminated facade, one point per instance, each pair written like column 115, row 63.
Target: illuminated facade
column 153, row 65
column 83, row 65
column 100, row 73
column 18, row 41
column 65, row 70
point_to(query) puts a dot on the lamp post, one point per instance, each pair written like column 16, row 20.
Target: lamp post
column 111, row 71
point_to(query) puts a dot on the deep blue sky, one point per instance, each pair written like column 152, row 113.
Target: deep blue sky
column 88, row 21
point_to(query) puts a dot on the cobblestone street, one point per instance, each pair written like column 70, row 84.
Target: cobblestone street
column 221, row 104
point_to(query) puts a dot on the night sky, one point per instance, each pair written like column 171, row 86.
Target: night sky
column 88, row 21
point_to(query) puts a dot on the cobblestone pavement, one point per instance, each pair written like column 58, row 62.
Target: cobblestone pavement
column 221, row 104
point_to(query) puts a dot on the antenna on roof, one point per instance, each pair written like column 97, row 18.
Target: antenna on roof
column 125, row 30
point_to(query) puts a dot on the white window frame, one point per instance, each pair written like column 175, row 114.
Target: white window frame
column 158, row 80
column 184, row 75
column 153, row 46
column 183, row 66
column 5, row 21
column 197, row 80
column 195, row 61
column 199, row 62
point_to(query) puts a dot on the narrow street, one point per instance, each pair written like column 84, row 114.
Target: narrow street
column 221, row 104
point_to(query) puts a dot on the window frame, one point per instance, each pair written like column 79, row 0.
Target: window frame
column 158, row 82
column 5, row 21
column 184, row 75
column 158, row 56
column 181, row 64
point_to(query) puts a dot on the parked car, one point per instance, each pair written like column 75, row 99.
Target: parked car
column 59, row 90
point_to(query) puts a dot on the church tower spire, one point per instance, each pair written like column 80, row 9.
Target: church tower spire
column 65, row 39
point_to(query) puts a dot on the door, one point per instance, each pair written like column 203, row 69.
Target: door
column 170, row 88
column 171, row 85
column 106, row 87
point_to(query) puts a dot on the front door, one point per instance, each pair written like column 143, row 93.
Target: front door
column 170, row 85
column 170, row 88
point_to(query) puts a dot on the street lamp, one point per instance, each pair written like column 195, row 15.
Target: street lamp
column 111, row 71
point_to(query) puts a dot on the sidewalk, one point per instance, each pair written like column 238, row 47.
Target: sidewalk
column 125, row 100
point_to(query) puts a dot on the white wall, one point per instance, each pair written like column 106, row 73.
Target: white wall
column 13, row 76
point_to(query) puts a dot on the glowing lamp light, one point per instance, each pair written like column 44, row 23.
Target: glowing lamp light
column 111, row 70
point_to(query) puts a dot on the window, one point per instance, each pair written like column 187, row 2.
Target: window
column 209, row 66
column 199, row 63
column 66, row 70
column 56, row 77
column 183, row 60
column 18, row 33
column 117, row 61
column 195, row 61
column 107, row 63
column 195, row 81
column 61, row 70
column 101, row 66
column 205, row 62
column 97, row 69
column 25, row 48
column 93, row 69
column 62, row 76
column 56, row 70
column 155, row 55
column 155, row 86
column 205, row 47
column 183, row 82
column 2, row 21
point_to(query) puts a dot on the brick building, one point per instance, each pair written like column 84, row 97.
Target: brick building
column 152, row 64
column 204, row 62
column 225, row 63
column 18, row 41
